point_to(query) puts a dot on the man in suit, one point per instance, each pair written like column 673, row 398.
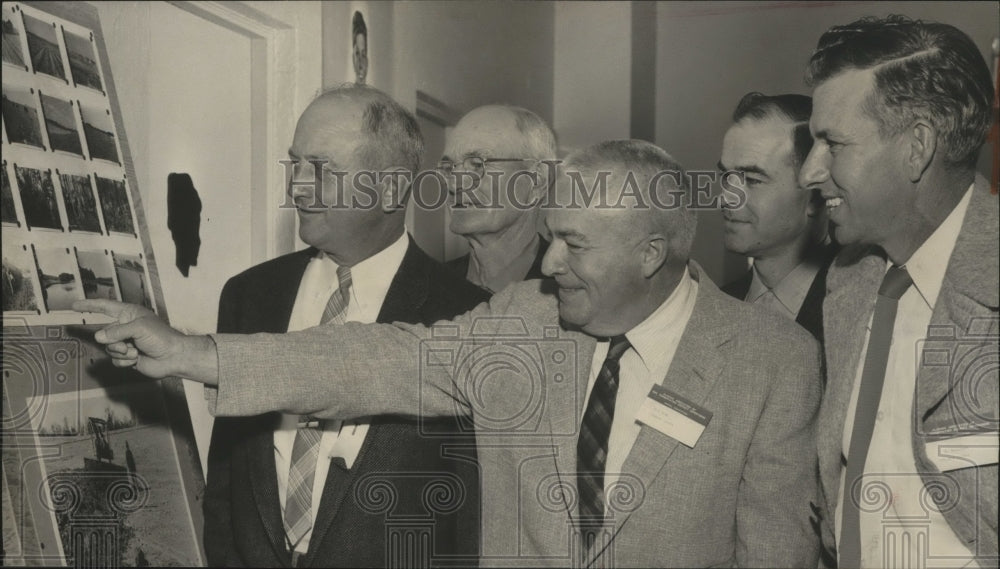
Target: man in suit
column 494, row 207
column 908, row 429
column 627, row 412
column 781, row 227
column 387, row 279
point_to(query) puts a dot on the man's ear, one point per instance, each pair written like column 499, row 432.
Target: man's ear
column 544, row 170
column 394, row 188
column 654, row 254
column 922, row 144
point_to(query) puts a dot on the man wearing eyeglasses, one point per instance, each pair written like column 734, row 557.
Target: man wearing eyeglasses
column 493, row 207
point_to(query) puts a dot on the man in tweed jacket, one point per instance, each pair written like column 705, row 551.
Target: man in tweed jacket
column 522, row 366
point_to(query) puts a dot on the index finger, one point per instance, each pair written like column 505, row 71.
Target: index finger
column 110, row 308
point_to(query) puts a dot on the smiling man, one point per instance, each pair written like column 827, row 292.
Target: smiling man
column 283, row 490
column 632, row 415
column 908, row 430
column 781, row 226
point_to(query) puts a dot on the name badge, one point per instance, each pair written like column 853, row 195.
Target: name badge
column 673, row 416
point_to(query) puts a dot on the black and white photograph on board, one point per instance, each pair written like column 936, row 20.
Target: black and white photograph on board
column 43, row 45
column 18, row 280
column 8, row 214
column 20, row 116
column 82, row 63
column 97, row 274
column 60, row 123
column 132, row 280
column 81, row 207
column 115, row 206
column 38, row 197
column 99, row 131
column 57, row 275
column 12, row 52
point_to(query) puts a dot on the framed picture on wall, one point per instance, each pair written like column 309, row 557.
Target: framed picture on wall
column 98, row 467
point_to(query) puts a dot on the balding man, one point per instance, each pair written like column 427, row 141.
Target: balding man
column 627, row 412
column 908, row 430
column 496, row 211
column 287, row 490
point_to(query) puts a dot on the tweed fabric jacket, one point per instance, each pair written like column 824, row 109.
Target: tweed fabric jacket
column 243, row 519
column 740, row 496
column 957, row 385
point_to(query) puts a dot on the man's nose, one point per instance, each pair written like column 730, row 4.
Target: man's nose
column 552, row 262
column 816, row 168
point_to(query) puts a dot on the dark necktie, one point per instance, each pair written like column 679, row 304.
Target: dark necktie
column 894, row 285
column 592, row 446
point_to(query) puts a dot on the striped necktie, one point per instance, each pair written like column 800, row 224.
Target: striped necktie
column 894, row 285
column 305, row 449
column 592, row 446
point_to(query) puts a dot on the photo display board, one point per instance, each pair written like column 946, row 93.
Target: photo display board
column 99, row 465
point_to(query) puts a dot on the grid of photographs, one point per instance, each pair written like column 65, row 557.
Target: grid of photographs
column 66, row 207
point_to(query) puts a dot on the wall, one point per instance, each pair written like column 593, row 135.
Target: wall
column 709, row 54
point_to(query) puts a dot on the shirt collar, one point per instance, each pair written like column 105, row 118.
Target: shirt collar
column 929, row 262
column 790, row 291
column 648, row 337
column 371, row 278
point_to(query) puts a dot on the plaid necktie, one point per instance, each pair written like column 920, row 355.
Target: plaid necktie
column 592, row 446
column 894, row 285
column 305, row 450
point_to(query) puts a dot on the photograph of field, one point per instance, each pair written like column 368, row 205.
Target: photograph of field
column 11, row 38
column 81, row 61
column 18, row 281
column 97, row 274
column 119, row 437
column 38, row 197
column 8, row 212
column 115, row 206
column 20, row 540
column 98, row 129
column 132, row 280
column 43, row 47
column 81, row 207
column 58, row 279
column 20, row 116
column 60, row 123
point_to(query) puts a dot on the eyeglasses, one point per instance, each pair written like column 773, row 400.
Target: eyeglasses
column 474, row 164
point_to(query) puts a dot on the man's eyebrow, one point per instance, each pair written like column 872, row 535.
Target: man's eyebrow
column 570, row 233
column 745, row 169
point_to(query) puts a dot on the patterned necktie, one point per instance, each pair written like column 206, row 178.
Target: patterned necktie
column 305, row 450
column 894, row 285
column 592, row 446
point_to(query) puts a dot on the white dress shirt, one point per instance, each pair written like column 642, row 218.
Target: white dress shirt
column 370, row 280
column 654, row 342
column 906, row 531
column 787, row 296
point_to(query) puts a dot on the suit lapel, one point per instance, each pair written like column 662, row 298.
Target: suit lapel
column 264, row 481
column 692, row 376
column 853, row 283
column 403, row 301
column 274, row 316
column 969, row 291
column 566, row 419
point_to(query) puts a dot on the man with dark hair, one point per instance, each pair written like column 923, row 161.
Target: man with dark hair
column 908, row 429
column 284, row 489
column 627, row 412
column 780, row 226
column 359, row 48
column 496, row 210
